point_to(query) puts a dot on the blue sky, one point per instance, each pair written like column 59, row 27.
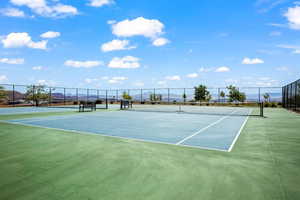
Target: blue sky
column 146, row 43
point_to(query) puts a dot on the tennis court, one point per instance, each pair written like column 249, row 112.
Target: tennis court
column 209, row 131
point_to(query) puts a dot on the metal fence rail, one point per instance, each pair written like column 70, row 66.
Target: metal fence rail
column 14, row 94
column 291, row 96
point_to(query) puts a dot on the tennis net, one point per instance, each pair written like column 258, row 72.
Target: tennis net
column 234, row 109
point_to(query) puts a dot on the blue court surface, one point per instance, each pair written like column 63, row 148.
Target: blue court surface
column 30, row 109
column 34, row 109
column 203, row 131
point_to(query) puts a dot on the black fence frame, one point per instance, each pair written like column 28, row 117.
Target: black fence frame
column 60, row 95
column 291, row 96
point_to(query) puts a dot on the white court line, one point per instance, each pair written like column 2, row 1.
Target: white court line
column 52, row 117
column 237, row 136
column 112, row 136
column 204, row 128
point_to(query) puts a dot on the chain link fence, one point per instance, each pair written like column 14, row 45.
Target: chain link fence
column 291, row 96
column 25, row 95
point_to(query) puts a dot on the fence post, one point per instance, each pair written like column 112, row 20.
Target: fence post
column 295, row 107
column 64, row 96
column 97, row 94
column 13, row 95
column 168, row 95
column 33, row 94
column 87, row 94
column 117, row 95
column 184, row 99
column 259, row 94
column 50, row 96
column 106, row 100
column 218, row 95
column 77, row 98
column 141, row 95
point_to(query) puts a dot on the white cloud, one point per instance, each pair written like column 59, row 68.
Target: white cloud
column 12, row 12
column 104, row 77
column 173, row 78
column 266, row 82
column 64, row 10
column 253, row 61
column 12, row 61
column 100, row 3
column 275, row 33
column 264, row 78
column 37, row 68
column 283, row 68
column 277, row 25
column 222, row 69
column 91, row 80
column 139, row 84
column 296, row 49
column 127, row 62
column 231, row 81
column 45, row 82
column 17, row 40
column 3, row 78
column 111, row 21
column 115, row 45
column 293, row 17
column 50, row 34
column 150, row 28
column 203, row 69
column 38, row 45
column 160, row 42
column 83, row 64
column 41, row 7
column 117, row 79
column 192, row 75
column 162, row 82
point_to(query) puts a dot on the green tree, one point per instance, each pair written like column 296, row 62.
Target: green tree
column 3, row 94
column 155, row 97
column 201, row 93
column 126, row 96
column 37, row 93
column 235, row 94
column 222, row 95
column 266, row 97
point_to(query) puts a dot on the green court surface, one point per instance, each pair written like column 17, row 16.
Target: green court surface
column 39, row 163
